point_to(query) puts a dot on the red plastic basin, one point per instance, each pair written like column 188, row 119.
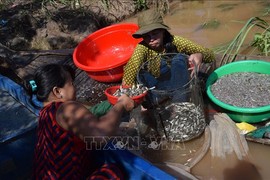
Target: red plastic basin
column 113, row 99
column 103, row 53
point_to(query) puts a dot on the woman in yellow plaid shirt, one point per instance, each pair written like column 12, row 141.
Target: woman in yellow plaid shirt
column 157, row 40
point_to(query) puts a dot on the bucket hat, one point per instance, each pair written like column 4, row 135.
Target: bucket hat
column 148, row 21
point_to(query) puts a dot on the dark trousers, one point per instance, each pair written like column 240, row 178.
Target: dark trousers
column 172, row 83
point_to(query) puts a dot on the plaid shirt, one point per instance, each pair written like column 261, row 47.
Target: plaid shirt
column 142, row 53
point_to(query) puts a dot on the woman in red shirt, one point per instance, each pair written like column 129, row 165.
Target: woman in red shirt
column 61, row 152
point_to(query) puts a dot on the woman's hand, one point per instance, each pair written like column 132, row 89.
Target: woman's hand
column 74, row 116
column 195, row 59
column 127, row 102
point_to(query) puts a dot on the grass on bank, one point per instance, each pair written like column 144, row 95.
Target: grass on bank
column 261, row 40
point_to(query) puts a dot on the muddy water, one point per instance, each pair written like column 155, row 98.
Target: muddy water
column 175, row 152
column 255, row 165
column 228, row 13
column 186, row 19
column 216, row 168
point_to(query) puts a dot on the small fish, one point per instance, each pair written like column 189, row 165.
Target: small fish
column 134, row 90
column 186, row 122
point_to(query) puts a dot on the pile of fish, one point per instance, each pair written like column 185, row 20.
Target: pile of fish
column 243, row 89
column 132, row 91
column 184, row 121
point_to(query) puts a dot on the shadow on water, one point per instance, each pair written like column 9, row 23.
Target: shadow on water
column 243, row 170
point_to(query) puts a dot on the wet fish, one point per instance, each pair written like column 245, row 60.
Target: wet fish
column 243, row 89
column 135, row 90
column 185, row 122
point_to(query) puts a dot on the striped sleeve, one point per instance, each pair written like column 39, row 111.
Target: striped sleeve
column 188, row 47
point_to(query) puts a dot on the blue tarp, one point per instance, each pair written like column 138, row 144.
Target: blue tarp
column 15, row 119
column 17, row 138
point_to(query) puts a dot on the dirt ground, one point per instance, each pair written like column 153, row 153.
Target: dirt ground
column 31, row 25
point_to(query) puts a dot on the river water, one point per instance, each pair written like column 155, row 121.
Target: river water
column 186, row 19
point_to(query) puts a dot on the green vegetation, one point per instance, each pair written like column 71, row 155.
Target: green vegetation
column 226, row 7
column 106, row 4
column 4, row 4
column 266, row 6
column 74, row 4
column 261, row 37
column 140, row 4
column 261, row 40
column 212, row 24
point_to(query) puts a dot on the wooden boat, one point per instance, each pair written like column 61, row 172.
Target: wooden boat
column 18, row 124
column 22, row 139
column 18, row 137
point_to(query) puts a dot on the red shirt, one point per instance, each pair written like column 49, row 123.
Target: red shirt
column 59, row 154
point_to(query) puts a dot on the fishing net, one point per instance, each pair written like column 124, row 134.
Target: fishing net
column 173, row 81
column 182, row 121
column 176, row 101
column 225, row 138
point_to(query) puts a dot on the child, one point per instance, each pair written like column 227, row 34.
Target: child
column 60, row 152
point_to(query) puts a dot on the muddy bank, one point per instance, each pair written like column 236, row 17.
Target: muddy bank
column 33, row 25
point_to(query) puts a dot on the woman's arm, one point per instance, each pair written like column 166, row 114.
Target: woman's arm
column 197, row 54
column 109, row 123
column 132, row 67
column 76, row 118
column 188, row 47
